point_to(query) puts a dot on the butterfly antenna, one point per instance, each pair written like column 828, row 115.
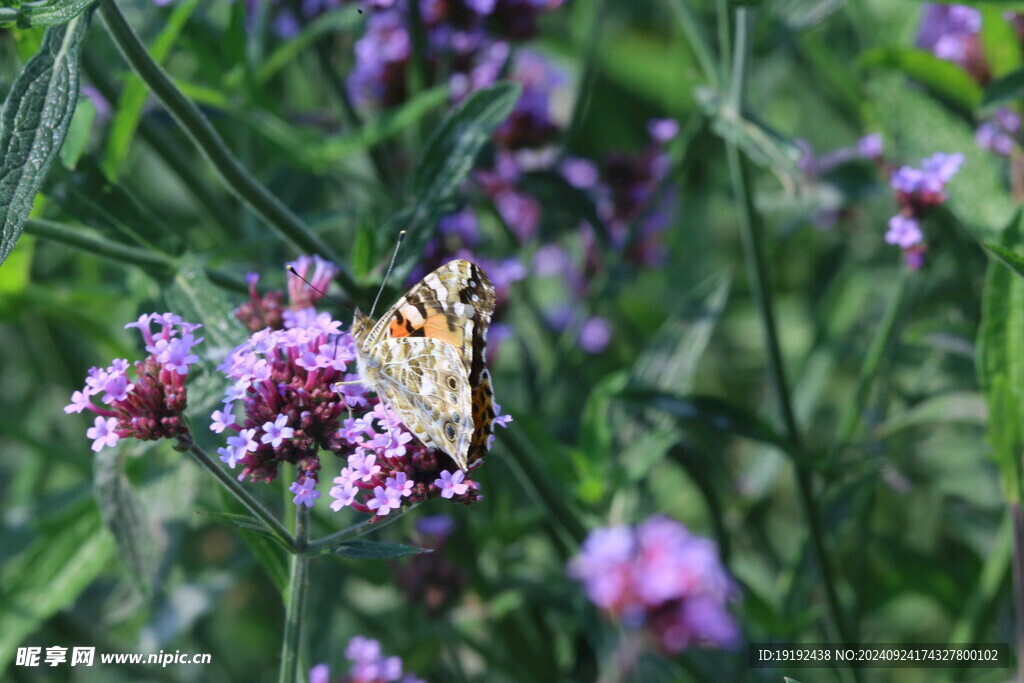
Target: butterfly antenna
column 326, row 296
column 317, row 289
column 391, row 266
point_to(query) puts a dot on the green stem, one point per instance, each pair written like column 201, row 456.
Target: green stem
column 209, row 142
column 757, row 268
column 1018, row 585
column 418, row 74
column 186, row 443
column 147, row 259
column 698, row 43
column 872, row 362
column 355, row 531
column 592, row 35
column 298, row 585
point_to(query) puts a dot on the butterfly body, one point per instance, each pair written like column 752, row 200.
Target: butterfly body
column 426, row 358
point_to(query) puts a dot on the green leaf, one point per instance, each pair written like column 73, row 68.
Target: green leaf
column 339, row 22
column 963, row 407
column 372, row 550
column 133, row 98
column 46, row 13
column 268, row 550
column 242, row 521
column 1008, row 258
column 49, row 575
column 1004, row 89
column 712, row 413
column 764, row 146
column 124, row 516
column 451, row 150
column 915, row 126
column 668, row 365
column 1000, row 361
column 999, row 41
column 33, row 122
column 944, row 79
column 79, row 133
column 196, row 299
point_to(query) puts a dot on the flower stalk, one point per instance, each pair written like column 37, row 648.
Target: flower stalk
column 753, row 247
column 298, row 585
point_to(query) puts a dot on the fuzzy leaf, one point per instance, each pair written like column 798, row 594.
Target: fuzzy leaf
column 47, row 13
column 33, row 122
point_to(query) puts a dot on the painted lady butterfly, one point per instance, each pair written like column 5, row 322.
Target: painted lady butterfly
column 426, row 357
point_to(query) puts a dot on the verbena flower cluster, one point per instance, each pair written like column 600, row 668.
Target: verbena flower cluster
column 918, row 190
column 152, row 406
column 662, row 579
column 369, row 665
column 283, row 404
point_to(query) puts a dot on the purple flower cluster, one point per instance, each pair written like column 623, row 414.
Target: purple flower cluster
column 466, row 43
column 917, row 191
column 288, row 382
column 1000, row 133
column 152, row 406
column 660, row 578
column 950, row 32
column 369, row 665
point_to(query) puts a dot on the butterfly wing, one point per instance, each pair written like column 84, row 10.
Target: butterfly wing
column 425, row 382
column 452, row 305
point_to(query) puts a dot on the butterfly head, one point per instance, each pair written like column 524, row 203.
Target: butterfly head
column 361, row 326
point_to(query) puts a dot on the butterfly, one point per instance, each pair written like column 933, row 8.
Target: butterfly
column 426, row 356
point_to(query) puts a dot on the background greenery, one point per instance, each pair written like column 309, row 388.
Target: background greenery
column 114, row 551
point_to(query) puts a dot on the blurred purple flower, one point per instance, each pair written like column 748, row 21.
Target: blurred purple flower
column 999, row 134
column 661, row 578
column 949, row 31
column 368, row 665
column 904, row 232
column 663, row 130
column 595, row 334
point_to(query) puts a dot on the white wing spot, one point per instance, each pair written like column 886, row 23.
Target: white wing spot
column 474, row 298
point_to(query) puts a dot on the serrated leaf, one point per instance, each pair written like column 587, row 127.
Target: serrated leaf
column 33, row 122
column 451, row 150
column 915, row 126
column 1005, row 89
column 46, row 13
column 133, row 97
column 373, row 550
column 49, row 575
column 124, row 516
column 944, row 79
